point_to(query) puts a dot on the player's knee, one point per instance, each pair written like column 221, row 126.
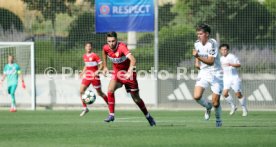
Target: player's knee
column 99, row 92
column 111, row 90
column 12, row 94
column 238, row 94
column 225, row 94
column 197, row 97
column 215, row 104
column 81, row 91
column 135, row 97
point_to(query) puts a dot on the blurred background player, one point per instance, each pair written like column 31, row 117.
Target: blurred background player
column 91, row 72
column 210, row 72
column 11, row 71
column 231, row 78
column 123, row 74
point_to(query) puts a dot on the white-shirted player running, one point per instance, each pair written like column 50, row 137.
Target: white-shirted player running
column 231, row 79
column 207, row 60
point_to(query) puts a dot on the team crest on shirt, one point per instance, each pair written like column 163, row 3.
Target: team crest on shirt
column 90, row 59
column 212, row 51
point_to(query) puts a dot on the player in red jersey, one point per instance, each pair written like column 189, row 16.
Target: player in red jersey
column 123, row 74
column 91, row 72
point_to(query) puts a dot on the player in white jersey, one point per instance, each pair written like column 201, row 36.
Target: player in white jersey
column 207, row 60
column 231, row 78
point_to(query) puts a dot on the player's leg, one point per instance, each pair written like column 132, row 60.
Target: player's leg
column 11, row 91
column 242, row 101
column 229, row 100
column 112, row 87
column 217, row 106
column 102, row 94
column 97, row 85
column 237, row 88
column 132, row 87
column 216, row 87
column 84, row 85
column 198, row 92
column 140, row 103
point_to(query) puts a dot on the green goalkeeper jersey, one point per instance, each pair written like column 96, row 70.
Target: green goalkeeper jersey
column 12, row 71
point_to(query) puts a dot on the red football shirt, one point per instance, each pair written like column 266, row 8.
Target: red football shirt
column 91, row 62
column 118, row 57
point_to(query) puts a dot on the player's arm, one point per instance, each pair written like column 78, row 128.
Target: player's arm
column 21, row 78
column 3, row 79
column 83, row 71
column 236, row 62
column 104, row 63
column 197, row 64
column 132, row 66
column 234, row 65
column 4, row 76
column 209, row 60
column 100, row 67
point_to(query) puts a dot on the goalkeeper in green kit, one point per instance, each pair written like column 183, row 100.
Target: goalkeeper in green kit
column 12, row 71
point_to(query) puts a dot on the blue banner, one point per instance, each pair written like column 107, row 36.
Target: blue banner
column 124, row 15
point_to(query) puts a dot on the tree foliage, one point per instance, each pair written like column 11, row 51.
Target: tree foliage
column 243, row 21
column 10, row 21
column 50, row 8
column 174, row 40
column 83, row 29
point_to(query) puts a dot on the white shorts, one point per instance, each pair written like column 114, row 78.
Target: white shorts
column 215, row 80
column 232, row 82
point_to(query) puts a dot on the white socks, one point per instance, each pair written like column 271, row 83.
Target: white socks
column 230, row 100
column 203, row 102
column 243, row 102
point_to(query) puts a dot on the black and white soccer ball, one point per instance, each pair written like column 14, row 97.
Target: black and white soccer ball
column 88, row 97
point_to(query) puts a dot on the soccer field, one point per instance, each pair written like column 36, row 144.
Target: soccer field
column 174, row 128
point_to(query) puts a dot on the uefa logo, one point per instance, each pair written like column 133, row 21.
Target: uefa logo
column 104, row 10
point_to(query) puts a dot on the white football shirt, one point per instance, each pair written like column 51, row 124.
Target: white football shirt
column 209, row 49
column 229, row 70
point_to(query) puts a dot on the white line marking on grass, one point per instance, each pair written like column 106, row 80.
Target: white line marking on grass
column 127, row 118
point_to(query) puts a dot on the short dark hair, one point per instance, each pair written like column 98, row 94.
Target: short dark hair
column 224, row 45
column 88, row 42
column 111, row 34
column 204, row 27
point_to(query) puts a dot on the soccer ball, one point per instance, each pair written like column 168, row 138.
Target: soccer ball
column 88, row 97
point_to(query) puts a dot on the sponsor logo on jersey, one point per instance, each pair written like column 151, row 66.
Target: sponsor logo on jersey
column 212, row 51
column 118, row 60
column 10, row 72
column 203, row 55
column 94, row 63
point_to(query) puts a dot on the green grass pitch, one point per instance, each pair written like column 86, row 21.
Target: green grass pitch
column 174, row 128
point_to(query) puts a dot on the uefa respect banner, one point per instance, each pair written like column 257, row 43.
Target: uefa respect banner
column 124, row 15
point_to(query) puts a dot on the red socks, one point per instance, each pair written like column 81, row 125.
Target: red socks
column 142, row 106
column 83, row 104
column 111, row 102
